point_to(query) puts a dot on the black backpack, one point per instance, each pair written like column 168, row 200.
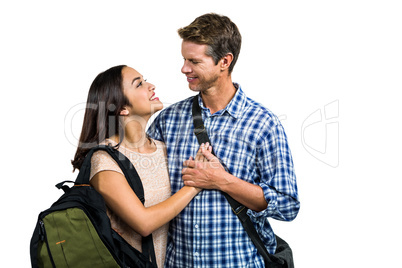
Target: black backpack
column 76, row 232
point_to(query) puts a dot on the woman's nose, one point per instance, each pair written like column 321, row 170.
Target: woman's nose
column 151, row 87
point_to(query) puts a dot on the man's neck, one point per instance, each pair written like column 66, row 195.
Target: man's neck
column 218, row 97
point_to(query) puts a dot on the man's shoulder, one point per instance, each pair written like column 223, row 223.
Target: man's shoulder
column 248, row 104
column 258, row 109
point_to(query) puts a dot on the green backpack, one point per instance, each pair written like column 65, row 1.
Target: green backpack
column 76, row 232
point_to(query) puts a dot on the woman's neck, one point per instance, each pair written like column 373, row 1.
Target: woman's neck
column 135, row 137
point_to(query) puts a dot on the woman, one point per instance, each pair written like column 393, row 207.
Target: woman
column 120, row 103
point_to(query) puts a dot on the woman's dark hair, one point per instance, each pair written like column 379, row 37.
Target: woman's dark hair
column 101, row 120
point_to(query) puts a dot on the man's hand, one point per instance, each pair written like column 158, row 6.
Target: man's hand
column 205, row 171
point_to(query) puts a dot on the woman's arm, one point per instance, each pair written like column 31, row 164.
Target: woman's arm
column 122, row 200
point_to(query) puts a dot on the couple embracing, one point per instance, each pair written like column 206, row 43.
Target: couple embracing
column 191, row 221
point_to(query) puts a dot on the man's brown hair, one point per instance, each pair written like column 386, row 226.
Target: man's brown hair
column 218, row 32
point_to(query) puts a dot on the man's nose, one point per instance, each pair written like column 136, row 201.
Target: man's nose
column 186, row 68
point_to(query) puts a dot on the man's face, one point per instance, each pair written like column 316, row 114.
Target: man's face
column 201, row 71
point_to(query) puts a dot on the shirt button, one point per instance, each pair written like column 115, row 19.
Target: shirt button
column 196, row 254
column 196, row 226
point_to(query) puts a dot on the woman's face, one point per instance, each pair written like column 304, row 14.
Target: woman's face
column 140, row 94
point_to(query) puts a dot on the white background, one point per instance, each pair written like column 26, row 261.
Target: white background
column 298, row 58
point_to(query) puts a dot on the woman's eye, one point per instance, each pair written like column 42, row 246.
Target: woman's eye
column 141, row 83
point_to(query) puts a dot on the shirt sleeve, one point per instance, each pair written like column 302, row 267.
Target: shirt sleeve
column 102, row 161
column 277, row 177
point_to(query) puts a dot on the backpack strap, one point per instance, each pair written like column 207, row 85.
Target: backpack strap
column 238, row 209
column 124, row 163
column 130, row 173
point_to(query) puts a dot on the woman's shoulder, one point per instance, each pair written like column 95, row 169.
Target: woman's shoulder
column 102, row 158
column 161, row 147
column 102, row 161
column 158, row 143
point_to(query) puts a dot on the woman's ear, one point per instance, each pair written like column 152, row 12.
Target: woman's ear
column 124, row 112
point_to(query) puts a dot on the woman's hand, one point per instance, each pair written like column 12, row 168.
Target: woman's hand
column 202, row 153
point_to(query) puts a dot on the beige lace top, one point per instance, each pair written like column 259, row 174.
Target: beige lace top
column 152, row 169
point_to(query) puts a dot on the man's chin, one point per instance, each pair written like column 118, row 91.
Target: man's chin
column 194, row 88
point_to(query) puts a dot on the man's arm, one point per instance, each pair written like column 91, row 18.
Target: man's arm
column 154, row 130
column 212, row 175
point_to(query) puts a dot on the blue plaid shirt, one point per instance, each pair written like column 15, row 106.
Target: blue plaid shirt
column 251, row 142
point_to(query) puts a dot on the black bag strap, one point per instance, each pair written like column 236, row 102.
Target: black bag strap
column 238, row 209
column 133, row 179
column 125, row 165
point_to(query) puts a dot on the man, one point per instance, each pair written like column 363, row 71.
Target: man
column 248, row 140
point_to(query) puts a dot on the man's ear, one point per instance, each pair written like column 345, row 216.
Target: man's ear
column 124, row 112
column 226, row 61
